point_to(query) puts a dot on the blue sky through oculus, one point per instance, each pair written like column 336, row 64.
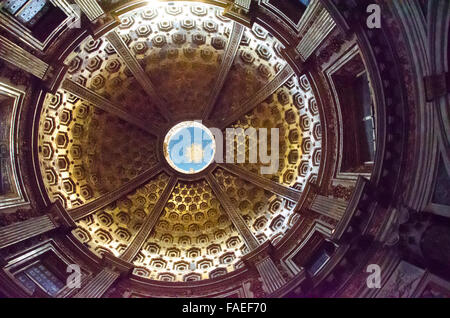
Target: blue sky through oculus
column 189, row 147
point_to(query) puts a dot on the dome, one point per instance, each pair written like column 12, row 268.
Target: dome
column 224, row 148
column 181, row 48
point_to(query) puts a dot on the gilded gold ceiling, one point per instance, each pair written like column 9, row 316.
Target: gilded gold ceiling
column 293, row 110
column 193, row 240
column 112, row 228
column 85, row 153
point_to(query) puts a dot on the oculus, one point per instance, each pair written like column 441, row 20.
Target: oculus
column 189, row 147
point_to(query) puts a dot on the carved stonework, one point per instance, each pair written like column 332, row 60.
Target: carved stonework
column 91, row 8
column 283, row 76
column 341, row 192
column 190, row 232
column 18, row 216
column 21, row 231
column 265, row 183
column 257, row 289
column 17, row 76
column 240, row 11
column 98, row 285
column 131, row 61
column 21, row 58
column 227, row 62
column 105, row 105
column 331, row 46
column 233, row 214
column 319, row 25
column 102, row 201
column 149, row 222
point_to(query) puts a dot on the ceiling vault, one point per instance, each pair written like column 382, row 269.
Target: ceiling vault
column 164, row 65
column 102, row 103
column 121, row 122
column 233, row 213
column 265, row 183
column 249, row 104
column 149, row 223
column 93, row 206
column 228, row 59
column 132, row 63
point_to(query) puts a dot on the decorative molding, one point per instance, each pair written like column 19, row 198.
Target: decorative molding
column 20, row 198
column 265, row 183
column 56, row 217
column 331, row 207
column 425, row 84
column 438, row 20
column 233, row 213
column 227, row 62
column 61, row 217
column 22, row 33
column 357, row 195
column 21, row 231
column 260, row 258
column 66, row 7
column 96, row 287
column 282, row 77
column 436, row 86
column 105, row 105
column 24, row 60
column 270, row 274
column 90, row 8
column 336, row 265
column 130, row 60
column 340, row 20
column 315, row 236
column 117, row 264
column 315, row 27
column 90, row 207
column 239, row 10
column 307, row 197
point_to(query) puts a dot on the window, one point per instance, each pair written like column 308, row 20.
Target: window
column 42, row 276
column 40, row 17
column 318, row 262
column 42, row 270
column 320, row 258
column 38, row 276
